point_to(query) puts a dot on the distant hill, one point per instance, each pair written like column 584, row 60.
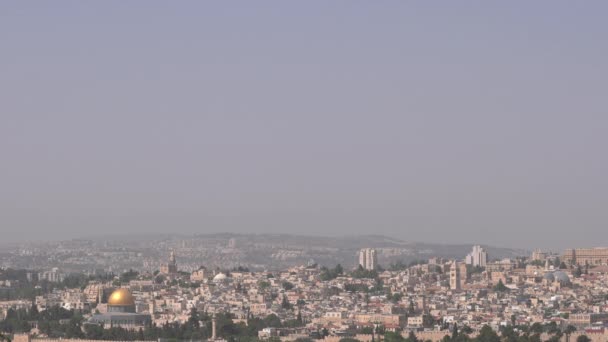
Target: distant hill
column 333, row 250
column 227, row 250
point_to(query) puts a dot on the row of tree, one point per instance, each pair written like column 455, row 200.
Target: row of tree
column 57, row 322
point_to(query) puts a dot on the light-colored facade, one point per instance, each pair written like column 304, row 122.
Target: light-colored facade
column 368, row 258
column 539, row 255
column 53, row 276
column 171, row 266
column 582, row 256
column 502, row 265
column 455, row 281
column 477, row 257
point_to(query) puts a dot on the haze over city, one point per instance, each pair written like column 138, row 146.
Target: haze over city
column 303, row 171
column 479, row 123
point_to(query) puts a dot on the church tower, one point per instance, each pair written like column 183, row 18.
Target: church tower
column 171, row 266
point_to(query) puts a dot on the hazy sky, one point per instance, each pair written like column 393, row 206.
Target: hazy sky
column 449, row 121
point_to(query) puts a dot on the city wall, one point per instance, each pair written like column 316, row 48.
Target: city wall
column 29, row 338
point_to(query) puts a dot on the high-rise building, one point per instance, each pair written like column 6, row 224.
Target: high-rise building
column 52, row 276
column 455, row 280
column 477, row 257
column 368, row 259
column 464, row 275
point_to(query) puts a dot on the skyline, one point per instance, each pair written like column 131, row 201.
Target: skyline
column 452, row 123
column 520, row 250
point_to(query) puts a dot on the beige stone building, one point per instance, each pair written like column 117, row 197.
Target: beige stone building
column 582, row 256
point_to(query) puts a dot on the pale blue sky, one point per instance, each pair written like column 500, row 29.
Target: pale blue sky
column 476, row 122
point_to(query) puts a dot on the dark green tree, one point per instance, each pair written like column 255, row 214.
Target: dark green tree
column 349, row 339
column 285, row 303
column 583, row 338
column 500, row 287
column 486, row 334
column 411, row 337
column 568, row 331
column 193, row 320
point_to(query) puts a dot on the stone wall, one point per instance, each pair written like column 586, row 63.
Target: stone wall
column 29, row 338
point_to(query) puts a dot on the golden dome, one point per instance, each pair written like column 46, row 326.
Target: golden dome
column 121, row 297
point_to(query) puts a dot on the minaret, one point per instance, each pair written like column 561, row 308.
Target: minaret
column 172, row 263
column 213, row 331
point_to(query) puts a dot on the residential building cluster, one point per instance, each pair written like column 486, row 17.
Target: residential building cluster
column 426, row 298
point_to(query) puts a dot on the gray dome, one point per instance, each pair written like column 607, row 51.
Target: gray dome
column 561, row 277
column 549, row 276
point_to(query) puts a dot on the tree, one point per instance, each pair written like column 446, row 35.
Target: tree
column 285, row 303
column 193, row 320
column 394, row 297
column 410, row 308
column 534, row 338
column 128, row 276
column 273, row 321
column 390, row 336
column 304, row 339
column 455, row 332
column 568, row 331
column 578, row 271
column 508, row 334
column 556, row 262
column 536, row 328
column 466, row 329
column 583, row 338
column 366, row 331
column 349, row 339
column 34, row 311
column 411, row 337
column 500, row 287
column 486, row 334
column 159, row 279
column 329, row 274
column 361, row 272
column 551, row 328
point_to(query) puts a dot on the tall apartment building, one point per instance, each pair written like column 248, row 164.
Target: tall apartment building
column 477, row 257
column 455, row 280
column 464, row 274
column 368, row 259
column 53, row 276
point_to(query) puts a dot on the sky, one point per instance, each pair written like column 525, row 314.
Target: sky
column 452, row 122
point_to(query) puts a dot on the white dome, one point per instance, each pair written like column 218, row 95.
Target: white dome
column 219, row 277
